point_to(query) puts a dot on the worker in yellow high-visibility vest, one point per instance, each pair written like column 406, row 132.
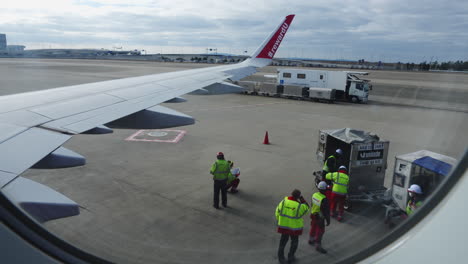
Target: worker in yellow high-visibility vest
column 332, row 163
column 319, row 213
column 340, row 180
column 220, row 171
column 289, row 213
column 415, row 201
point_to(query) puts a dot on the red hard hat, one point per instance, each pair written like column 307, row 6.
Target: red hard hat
column 220, row 154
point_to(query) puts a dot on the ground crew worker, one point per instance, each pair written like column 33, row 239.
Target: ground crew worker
column 220, row 171
column 340, row 180
column 332, row 163
column 233, row 178
column 289, row 214
column 415, row 200
column 319, row 213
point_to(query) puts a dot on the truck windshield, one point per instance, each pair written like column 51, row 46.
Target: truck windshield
column 366, row 87
column 359, row 86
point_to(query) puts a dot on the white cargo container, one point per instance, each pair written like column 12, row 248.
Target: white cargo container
column 347, row 84
column 364, row 154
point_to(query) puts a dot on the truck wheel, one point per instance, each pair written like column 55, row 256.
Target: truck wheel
column 354, row 99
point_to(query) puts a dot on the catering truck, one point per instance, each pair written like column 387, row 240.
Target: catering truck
column 346, row 85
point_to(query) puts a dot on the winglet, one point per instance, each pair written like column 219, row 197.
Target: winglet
column 269, row 47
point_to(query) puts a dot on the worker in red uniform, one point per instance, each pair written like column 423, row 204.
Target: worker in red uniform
column 319, row 213
column 340, row 180
column 233, row 178
column 289, row 214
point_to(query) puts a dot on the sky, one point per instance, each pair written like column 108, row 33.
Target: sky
column 374, row 30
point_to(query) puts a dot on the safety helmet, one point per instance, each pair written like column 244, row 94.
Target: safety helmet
column 339, row 152
column 343, row 168
column 414, row 188
column 322, row 185
column 220, row 154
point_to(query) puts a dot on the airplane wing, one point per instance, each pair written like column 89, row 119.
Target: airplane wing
column 34, row 125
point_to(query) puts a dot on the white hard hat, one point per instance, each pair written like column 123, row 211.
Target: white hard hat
column 339, row 151
column 414, row 188
column 322, row 185
column 343, row 168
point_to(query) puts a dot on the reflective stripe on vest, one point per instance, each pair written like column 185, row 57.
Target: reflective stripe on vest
column 290, row 228
column 325, row 165
column 317, row 199
column 340, row 183
column 221, row 171
column 288, row 216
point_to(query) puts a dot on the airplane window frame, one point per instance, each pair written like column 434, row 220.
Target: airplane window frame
column 36, row 235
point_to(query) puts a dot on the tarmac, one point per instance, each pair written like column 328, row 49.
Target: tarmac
column 146, row 196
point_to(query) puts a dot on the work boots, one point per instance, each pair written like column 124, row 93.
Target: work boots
column 320, row 249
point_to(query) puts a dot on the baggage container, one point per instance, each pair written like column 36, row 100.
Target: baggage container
column 364, row 154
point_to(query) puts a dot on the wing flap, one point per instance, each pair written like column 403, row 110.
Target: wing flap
column 83, row 104
column 141, row 91
column 82, row 122
column 9, row 131
column 20, row 152
column 6, row 177
column 22, row 118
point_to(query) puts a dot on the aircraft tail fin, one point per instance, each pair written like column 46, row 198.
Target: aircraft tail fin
column 263, row 55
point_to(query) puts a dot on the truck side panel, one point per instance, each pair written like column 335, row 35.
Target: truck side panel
column 337, row 80
column 296, row 91
column 367, row 166
column 322, row 94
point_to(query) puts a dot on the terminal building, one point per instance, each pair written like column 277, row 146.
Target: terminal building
column 3, row 44
column 15, row 49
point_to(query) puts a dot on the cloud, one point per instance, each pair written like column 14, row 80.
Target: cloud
column 378, row 29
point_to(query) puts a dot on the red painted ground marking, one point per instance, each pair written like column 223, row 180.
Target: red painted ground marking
column 142, row 133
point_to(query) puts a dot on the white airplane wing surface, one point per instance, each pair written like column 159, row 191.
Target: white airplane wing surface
column 34, row 125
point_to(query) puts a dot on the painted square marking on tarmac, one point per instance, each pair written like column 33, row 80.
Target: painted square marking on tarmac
column 158, row 135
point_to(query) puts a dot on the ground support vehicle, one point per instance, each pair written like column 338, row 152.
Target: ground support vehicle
column 425, row 168
column 347, row 85
column 292, row 92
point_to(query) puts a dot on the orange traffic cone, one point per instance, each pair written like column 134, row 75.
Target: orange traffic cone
column 266, row 141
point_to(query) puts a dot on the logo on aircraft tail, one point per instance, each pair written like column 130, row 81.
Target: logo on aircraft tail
column 273, row 44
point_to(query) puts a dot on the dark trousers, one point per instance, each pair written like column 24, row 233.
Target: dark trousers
column 220, row 186
column 283, row 241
